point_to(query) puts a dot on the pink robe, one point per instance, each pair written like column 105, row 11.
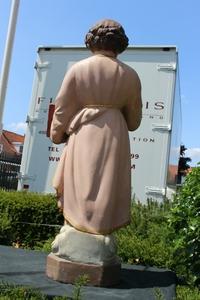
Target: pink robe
column 99, row 101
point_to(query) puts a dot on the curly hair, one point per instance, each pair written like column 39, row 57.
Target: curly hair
column 107, row 35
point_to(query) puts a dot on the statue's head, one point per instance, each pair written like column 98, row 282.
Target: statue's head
column 107, row 35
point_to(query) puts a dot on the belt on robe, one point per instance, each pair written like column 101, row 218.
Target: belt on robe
column 102, row 105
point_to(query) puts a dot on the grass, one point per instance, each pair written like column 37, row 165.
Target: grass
column 13, row 292
column 10, row 291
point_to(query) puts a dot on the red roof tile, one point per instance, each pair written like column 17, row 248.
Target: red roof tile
column 13, row 137
column 7, row 138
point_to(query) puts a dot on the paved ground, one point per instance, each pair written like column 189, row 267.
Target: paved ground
column 25, row 267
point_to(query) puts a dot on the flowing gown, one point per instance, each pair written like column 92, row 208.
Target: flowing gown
column 98, row 102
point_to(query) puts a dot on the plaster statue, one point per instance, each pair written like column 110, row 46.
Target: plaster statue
column 98, row 102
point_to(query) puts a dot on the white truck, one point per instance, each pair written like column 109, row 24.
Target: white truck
column 155, row 144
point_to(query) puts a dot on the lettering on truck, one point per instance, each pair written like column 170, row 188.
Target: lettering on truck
column 53, row 158
column 155, row 107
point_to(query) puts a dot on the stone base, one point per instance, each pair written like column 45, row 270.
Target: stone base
column 77, row 246
column 62, row 270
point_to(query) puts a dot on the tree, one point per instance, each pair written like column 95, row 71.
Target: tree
column 183, row 165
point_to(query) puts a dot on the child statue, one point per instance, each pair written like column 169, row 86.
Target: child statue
column 98, row 103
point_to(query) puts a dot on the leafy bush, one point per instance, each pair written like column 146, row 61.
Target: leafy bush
column 18, row 209
column 185, row 223
column 146, row 239
column 44, row 246
column 11, row 291
column 187, row 293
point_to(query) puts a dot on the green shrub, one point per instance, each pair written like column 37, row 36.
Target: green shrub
column 11, row 291
column 187, row 293
column 146, row 239
column 185, row 223
column 44, row 246
column 20, row 208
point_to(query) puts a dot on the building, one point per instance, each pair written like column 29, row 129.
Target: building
column 11, row 146
column 11, row 143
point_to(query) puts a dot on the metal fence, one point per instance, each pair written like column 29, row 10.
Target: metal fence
column 9, row 169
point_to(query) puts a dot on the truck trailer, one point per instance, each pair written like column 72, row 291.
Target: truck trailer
column 155, row 145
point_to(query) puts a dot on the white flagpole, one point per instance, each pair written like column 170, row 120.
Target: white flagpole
column 7, row 57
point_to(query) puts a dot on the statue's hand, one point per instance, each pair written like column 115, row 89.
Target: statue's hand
column 60, row 201
column 60, row 206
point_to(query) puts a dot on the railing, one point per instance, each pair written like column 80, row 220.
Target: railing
column 9, row 169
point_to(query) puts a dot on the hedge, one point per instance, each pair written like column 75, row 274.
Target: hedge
column 19, row 209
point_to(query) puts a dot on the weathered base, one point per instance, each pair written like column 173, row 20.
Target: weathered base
column 66, row 271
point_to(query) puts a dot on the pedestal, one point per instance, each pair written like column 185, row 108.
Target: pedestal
column 76, row 253
column 67, row 271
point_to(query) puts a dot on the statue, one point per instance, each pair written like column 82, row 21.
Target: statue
column 98, row 102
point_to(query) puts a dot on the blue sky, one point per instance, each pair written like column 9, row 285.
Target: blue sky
column 65, row 22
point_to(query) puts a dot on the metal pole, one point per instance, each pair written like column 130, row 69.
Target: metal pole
column 7, row 57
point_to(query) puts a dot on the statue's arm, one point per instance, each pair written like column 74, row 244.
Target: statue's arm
column 133, row 108
column 65, row 108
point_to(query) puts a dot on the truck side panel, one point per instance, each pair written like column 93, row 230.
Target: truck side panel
column 174, row 151
column 149, row 143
